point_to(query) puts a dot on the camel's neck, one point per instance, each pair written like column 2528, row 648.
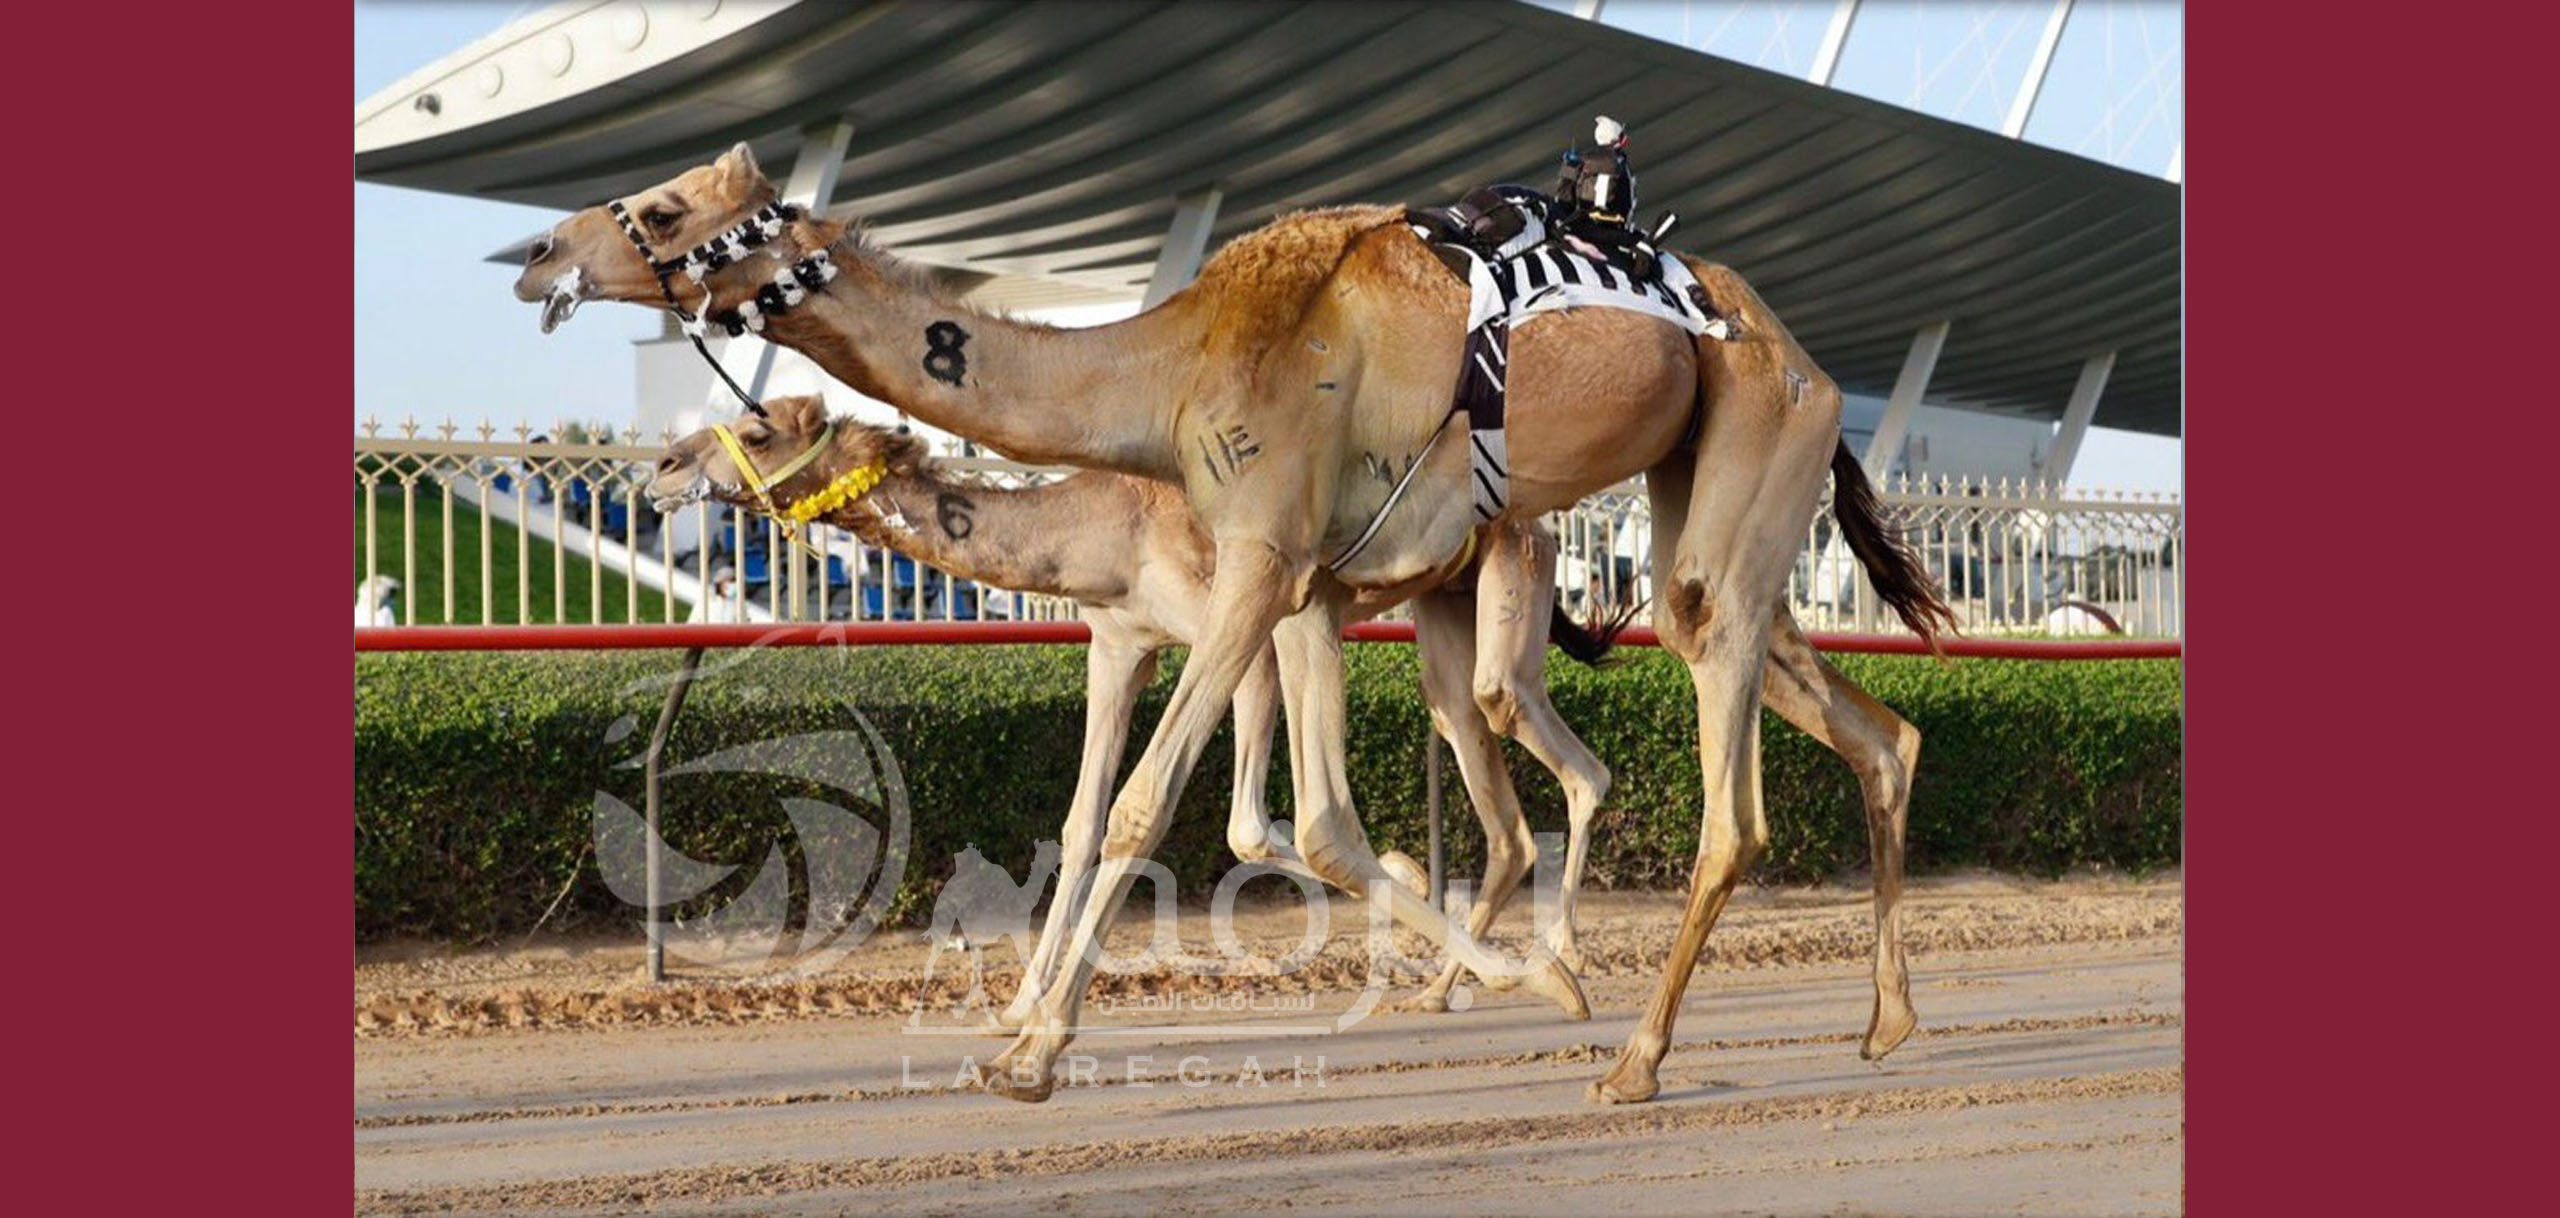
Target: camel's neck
column 1101, row 398
column 1008, row 538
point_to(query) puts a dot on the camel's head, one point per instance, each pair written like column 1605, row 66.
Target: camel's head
column 699, row 466
column 590, row 255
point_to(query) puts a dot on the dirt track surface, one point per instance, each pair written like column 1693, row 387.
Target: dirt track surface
column 2045, row 1079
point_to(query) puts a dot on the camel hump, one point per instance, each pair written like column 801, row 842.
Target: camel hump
column 1265, row 280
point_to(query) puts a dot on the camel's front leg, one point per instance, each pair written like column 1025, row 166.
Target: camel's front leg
column 1884, row 750
column 1257, row 706
column 1116, row 668
column 1252, row 589
column 1515, row 597
column 1445, row 634
column 1330, row 838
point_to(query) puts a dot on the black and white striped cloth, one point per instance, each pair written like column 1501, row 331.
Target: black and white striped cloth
column 1508, row 294
column 1504, row 295
column 1555, row 277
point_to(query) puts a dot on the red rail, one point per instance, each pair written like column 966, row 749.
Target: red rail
column 909, row 634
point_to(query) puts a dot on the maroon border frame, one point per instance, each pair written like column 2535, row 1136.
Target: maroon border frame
column 2363, row 789
column 179, row 829
column 2363, row 801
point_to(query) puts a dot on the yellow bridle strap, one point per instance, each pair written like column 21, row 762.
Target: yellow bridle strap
column 746, row 468
column 760, row 484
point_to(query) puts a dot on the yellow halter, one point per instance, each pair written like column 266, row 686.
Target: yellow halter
column 847, row 487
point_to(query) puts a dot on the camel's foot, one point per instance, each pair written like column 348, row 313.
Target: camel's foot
column 1432, row 1001
column 1570, row 952
column 1556, row 982
column 1890, row 1026
column 1407, row 872
column 1022, row 1073
column 1262, row 843
column 1631, row 1081
column 1434, row 998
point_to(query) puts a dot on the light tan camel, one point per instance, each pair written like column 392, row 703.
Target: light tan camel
column 1128, row 551
column 1307, row 349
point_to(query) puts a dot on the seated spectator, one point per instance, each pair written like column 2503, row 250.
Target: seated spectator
column 720, row 603
column 376, row 602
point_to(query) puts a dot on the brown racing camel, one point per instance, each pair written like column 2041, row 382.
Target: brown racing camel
column 1319, row 343
column 1128, row 551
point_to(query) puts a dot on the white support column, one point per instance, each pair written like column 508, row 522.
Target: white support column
column 2075, row 418
column 814, row 173
column 1185, row 244
column 1588, row 10
column 1917, row 366
column 2024, row 105
column 1826, row 58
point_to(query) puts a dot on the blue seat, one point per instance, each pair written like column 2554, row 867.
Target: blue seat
column 879, row 607
column 757, row 570
column 617, row 516
column 902, row 570
column 837, row 576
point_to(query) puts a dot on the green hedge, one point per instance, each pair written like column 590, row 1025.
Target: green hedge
column 476, row 774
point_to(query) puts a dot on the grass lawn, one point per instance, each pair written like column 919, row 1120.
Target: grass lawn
column 425, row 595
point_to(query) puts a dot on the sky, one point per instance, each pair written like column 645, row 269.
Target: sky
column 439, row 336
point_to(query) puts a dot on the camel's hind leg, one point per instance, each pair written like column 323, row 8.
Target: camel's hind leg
column 1515, row 596
column 1330, row 838
column 1752, row 484
column 1445, row 632
column 1884, row 750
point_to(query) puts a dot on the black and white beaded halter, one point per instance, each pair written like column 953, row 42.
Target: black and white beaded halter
column 791, row 285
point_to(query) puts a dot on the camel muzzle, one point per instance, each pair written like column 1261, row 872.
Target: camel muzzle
column 690, row 493
column 566, row 293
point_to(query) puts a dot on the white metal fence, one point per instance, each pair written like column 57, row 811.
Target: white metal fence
column 488, row 532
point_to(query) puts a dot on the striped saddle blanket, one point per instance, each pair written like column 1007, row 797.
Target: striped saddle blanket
column 1553, row 277
column 1549, row 278
column 1516, row 273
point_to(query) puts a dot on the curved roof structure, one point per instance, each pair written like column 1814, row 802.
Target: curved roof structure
column 1052, row 139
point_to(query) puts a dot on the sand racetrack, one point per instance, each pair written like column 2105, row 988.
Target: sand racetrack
column 2046, row 1077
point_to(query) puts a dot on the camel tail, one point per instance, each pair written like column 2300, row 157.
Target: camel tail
column 1594, row 644
column 1891, row 566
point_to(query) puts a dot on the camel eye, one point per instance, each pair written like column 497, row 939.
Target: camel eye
column 659, row 218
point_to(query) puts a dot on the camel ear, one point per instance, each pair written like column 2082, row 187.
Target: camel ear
column 739, row 170
column 799, row 415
